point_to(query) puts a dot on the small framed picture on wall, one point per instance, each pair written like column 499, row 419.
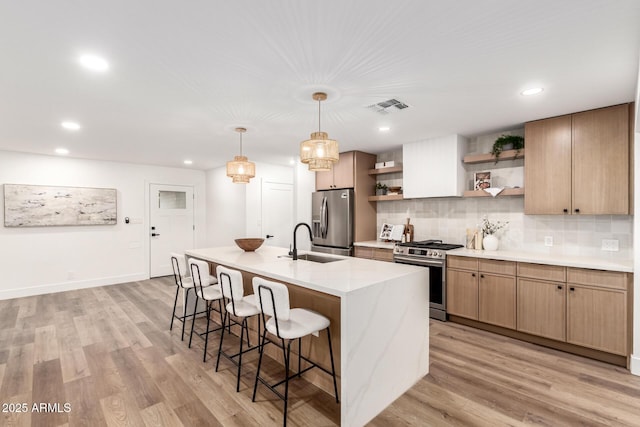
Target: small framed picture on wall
column 481, row 180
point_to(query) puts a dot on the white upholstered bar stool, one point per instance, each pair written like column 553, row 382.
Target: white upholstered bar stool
column 242, row 308
column 209, row 293
column 185, row 283
column 288, row 324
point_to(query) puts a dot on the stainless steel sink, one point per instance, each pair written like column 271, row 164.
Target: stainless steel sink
column 316, row 258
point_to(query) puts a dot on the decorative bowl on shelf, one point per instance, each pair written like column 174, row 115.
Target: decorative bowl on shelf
column 395, row 190
column 249, row 244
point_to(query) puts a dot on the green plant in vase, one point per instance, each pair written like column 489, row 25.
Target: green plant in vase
column 381, row 189
column 504, row 142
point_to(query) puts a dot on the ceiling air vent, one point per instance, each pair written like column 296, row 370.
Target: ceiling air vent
column 388, row 106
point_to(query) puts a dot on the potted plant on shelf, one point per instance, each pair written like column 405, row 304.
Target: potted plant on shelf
column 507, row 142
column 381, row 189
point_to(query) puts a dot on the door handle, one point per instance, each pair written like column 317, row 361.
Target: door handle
column 268, row 236
column 155, row 234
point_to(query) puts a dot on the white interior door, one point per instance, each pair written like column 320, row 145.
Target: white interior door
column 171, row 225
column 277, row 213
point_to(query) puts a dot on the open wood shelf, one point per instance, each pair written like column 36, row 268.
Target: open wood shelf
column 385, row 170
column 488, row 157
column 385, row 198
column 505, row 192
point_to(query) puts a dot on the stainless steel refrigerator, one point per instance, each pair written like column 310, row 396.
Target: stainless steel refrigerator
column 332, row 221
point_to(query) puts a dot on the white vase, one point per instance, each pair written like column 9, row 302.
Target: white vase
column 490, row 242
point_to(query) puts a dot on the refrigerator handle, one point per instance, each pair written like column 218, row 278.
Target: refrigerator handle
column 323, row 218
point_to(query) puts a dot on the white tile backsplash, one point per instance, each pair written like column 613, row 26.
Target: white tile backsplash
column 448, row 219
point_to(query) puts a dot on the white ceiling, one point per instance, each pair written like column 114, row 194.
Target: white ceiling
column 184, row 74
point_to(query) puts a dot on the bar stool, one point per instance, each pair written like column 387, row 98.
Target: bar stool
column 239, row 306
column 287, row 324
column 209, row 293
column 183, row 281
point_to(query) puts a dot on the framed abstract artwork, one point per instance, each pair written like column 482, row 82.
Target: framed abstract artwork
column 48, row 206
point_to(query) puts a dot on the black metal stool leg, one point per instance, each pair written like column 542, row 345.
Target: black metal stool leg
column 287, row 358
column 244, row 320
column 175, row 304
column 184, row 312
column 193, row 319
column 299, row 355
column 206, row 334
column 221, row 339
column 333, row 367
column 255, row 385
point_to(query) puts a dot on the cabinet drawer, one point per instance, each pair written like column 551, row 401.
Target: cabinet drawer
column 463, row 263
column 497, row 267
column 363, row 252
column 600, row 278
column 383, row 254
column 554, row 273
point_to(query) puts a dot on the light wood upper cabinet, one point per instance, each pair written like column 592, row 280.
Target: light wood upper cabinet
column 578, row 163
column 547, row 168
column 601, row 161
column 341, row 174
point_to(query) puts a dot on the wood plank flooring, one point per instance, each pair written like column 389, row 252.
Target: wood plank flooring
column 109, row 354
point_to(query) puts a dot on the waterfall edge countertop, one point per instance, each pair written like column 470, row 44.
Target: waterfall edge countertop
column 383, row 317
column 337, row 278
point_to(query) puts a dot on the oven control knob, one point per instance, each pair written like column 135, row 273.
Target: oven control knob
column 437, row 254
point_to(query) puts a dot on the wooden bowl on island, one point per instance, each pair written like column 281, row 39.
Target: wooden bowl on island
column 249, row 244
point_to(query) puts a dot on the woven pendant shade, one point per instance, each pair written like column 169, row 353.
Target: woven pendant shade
column 319, row 152
column 240, row 169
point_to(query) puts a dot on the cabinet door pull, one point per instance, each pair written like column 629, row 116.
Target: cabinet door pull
column 572, row 288
column 559, row 286
column 473, row 274
column 577, row 210
column 565, row 210
column 482, row 276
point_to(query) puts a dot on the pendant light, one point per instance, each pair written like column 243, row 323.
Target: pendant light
column 240, row 169
column 319, row 152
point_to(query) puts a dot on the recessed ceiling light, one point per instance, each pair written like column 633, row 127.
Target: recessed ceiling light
column 70, row 125
column 292, row 161
column 384, row 128
column 532, row 91
column 188, row 162
column 62, row 151
column 94, row 63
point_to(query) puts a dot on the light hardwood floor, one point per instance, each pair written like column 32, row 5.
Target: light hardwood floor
column 109, row 354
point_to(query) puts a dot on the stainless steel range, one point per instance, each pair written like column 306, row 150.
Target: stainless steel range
column 433, row 255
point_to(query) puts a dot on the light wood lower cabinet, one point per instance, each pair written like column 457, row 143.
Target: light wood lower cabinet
column 542, row 308
column 598, row 307
column 583, row 307
column 379, row 254
column 462, row 293
column 497, row 300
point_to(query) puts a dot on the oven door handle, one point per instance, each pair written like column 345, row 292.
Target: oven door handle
column 420, row 262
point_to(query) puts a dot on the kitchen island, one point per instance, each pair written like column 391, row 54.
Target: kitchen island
column 382, row 314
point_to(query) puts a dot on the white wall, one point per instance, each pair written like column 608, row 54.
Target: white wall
column 50, row 259
column 304, row 187
column 235, row 210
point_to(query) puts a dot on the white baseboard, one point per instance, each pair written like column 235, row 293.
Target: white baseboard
column 634, row 365
column 70, row 286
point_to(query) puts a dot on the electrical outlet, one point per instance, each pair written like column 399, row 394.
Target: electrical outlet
column 548, row 240
column 610, row 245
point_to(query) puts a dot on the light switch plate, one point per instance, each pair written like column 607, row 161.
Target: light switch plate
column 610, row 245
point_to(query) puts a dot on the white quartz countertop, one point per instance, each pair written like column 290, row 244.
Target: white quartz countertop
column 335, row 278
column 596, row 263
column 375, row 244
